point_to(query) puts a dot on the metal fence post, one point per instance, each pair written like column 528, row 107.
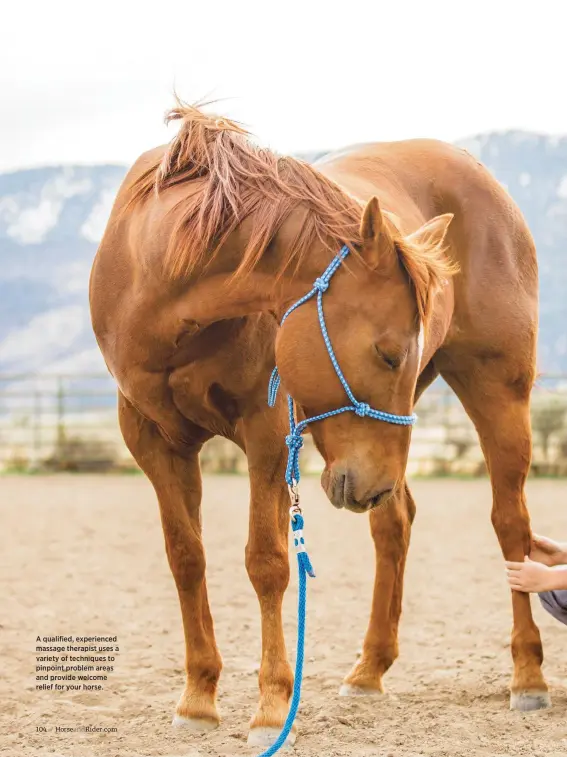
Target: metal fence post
column 35, row 462
column 61, row 435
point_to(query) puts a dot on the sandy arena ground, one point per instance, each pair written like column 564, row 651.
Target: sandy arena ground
column 84, row 555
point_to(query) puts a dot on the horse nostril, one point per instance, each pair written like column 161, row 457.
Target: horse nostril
column 339, row 493
column 334, row 483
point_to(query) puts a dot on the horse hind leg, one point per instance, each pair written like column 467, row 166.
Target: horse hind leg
column 176, row 479
column 495, row 395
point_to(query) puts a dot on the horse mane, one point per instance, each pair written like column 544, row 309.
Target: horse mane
column 237, row 179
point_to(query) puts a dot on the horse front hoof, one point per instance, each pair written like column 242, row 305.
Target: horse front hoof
column 265, row 736
column 348, row 690
column 529, row 701
column 199, row 725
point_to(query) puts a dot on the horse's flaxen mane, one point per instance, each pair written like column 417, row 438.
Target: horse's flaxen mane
column 241, row 179
column 238, row 179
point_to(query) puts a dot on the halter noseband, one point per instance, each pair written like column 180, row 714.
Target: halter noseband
column 294, row 440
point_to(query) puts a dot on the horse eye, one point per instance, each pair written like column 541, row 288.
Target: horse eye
column 392, row 361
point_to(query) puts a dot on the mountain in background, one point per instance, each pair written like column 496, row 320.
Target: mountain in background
column 51, row 220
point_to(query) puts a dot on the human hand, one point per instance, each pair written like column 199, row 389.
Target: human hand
column 547, row 551
column 531, row 576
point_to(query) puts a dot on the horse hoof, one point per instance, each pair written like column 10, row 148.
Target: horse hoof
column 265, row 736
column 199, row 725
column 528, row 701
column 347, row 690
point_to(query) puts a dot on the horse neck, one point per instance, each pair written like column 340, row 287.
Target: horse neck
column 272, row 285
column 296, row 277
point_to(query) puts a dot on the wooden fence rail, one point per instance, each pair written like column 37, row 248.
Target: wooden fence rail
column 69, row 422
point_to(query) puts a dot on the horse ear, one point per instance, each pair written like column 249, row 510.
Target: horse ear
column 377, row 247
column 371, row 224
column 432, row 233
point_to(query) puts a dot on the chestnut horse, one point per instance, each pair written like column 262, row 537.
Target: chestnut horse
column 210, row 240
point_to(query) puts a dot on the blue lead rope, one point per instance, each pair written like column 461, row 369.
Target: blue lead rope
column 305, row 569
column 294, row 442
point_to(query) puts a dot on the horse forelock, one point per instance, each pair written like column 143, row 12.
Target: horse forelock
column 427, row 267
column 428, row 270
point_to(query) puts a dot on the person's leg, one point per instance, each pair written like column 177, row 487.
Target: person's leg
column 555, row 602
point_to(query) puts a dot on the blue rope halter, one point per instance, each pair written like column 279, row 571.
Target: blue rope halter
column 294, row 442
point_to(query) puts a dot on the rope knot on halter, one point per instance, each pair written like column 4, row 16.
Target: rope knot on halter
column 321, row 284
column 362, row 409
column 294, row 442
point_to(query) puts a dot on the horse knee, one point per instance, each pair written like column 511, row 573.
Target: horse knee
column 268, row 570
column 186, row 558
column 390, row 530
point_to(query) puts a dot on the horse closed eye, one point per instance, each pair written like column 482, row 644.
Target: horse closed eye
column 187, row 329
column 392, row 361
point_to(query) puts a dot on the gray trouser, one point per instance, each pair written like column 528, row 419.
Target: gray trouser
column 555, row 602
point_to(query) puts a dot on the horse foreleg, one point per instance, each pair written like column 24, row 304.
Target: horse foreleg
column 177, row 481
column 267, row 563
column 390, row 526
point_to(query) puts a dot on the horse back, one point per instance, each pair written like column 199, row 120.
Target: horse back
column 495, row 292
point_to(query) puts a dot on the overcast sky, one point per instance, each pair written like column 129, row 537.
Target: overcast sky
column 89, row 82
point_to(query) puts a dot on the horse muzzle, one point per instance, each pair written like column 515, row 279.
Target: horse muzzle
column 345, row 490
